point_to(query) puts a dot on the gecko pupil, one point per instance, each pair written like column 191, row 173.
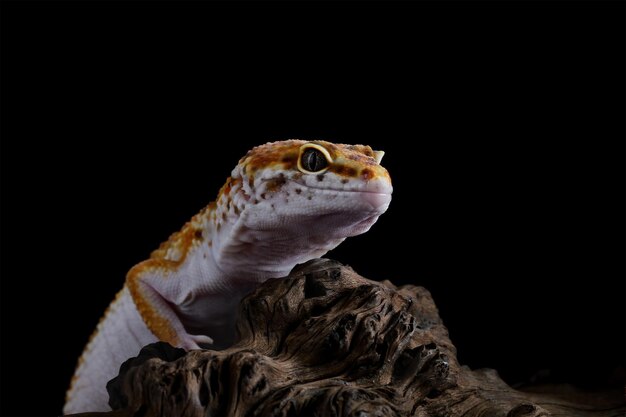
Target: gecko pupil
column 313, row 160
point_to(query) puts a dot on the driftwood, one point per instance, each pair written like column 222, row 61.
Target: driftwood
column 328, row 342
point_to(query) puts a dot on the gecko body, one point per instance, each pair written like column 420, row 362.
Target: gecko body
column 285, row 203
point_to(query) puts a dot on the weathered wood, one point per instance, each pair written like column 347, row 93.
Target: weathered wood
column 327, row 342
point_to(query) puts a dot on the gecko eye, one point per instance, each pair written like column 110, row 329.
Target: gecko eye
column 313, row 159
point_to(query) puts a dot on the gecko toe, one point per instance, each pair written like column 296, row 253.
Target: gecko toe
column 201, row 339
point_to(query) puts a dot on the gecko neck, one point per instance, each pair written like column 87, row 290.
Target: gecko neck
column 252, row 255
column 235, row 244
column 245, row 254
column 249, row 246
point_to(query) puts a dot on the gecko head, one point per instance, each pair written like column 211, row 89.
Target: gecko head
column 313, row 188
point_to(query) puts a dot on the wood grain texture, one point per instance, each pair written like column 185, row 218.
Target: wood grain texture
column 327, row 342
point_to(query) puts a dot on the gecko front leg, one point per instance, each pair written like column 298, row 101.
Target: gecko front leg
column 159, row 314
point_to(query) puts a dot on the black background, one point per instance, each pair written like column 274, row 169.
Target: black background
column 503, row 126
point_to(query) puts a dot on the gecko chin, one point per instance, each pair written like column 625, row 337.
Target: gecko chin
column 378, row 201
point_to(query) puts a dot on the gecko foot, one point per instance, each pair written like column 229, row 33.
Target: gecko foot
column 193, row 341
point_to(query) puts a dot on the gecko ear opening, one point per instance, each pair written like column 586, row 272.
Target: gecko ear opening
column 378, row 156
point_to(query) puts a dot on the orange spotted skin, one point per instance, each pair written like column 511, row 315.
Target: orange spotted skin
column 189, row 236
column 272, row 213
column 349, row 161
column 160, row 326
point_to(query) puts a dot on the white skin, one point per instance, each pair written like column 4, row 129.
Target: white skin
column 274, row 216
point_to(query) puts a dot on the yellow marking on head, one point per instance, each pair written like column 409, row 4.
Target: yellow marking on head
column 348, row 161
column 281, row 155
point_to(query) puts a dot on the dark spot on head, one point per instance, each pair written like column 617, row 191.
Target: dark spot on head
column 273, row 208
column 263, row 196
column 298, row 191
column 343, row 170
column 251, row 182
column 350, row 172
column 344, row 181
column 291, row 156
column 223, row 215
column 320, row 177
column 362, row 149
column 289, row 159
column 197, row 234
column 367, row 174
column 236, row 209
column 275, row 183
column 309, row 198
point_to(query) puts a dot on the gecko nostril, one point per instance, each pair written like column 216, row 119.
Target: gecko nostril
column 367, row 174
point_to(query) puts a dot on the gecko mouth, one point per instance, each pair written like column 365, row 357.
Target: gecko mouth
column 375, row 187
column 376, row 196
